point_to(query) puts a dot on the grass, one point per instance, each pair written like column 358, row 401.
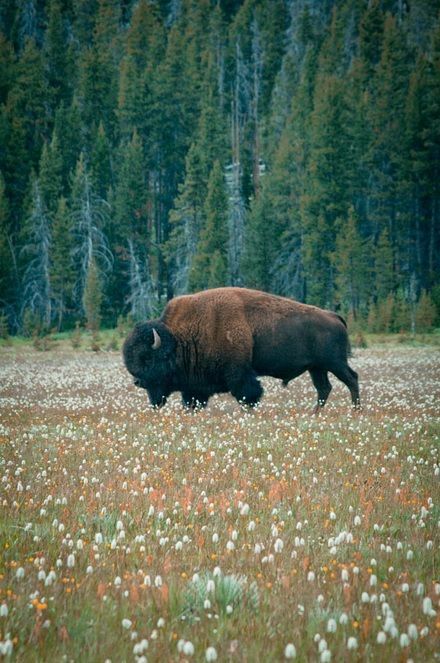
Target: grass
column 128, row 533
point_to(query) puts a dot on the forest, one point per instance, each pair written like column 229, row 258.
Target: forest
column 154, row 148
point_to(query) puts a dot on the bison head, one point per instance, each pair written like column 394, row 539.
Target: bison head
column 149, row 355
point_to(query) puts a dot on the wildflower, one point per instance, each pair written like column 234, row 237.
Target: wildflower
column 381, row 638
column 244, row 510
column 89, row 570
column 140, row 647
column 19, row 573
column 160, row 622
column 188, row 648
column 365, row 598
column 427, row 607
column 405, row 588
column 331, row 626
column 126, row 623
column 230, row 546
column 117, row 581
column 357, row 521
column 210, row 654
column 344, row 575
column 404, row 640
column 4, row 610
column 158, row 581
column 311, row 576
column 326, row 656
column 373, row 580
column 278, row 546
column 229, row 609
column 290, row 651
column 98, row 538
column 71, row 561
column 343, row 619
column 352, row 643
column 215, row 537
column 412, row 631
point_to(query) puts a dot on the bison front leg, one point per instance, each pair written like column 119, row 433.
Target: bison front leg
column 157, row 397
column 245, row 387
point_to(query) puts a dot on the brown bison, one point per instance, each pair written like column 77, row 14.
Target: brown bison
column 221, row 340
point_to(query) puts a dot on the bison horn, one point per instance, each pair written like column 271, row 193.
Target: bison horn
column 157, row 341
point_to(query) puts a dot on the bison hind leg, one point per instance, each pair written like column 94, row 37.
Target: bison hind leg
column 248, row 390
column 322, row 385
column 349, row 377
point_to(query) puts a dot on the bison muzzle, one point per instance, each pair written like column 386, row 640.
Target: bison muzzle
column 222, row 340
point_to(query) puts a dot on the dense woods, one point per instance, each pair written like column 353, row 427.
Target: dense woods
column 149, row 149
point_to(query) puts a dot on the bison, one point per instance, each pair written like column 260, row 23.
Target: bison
column 222, row 340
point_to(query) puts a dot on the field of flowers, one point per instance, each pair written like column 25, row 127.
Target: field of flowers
column 129, row 534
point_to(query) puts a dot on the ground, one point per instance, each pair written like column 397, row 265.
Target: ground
column 129, row 534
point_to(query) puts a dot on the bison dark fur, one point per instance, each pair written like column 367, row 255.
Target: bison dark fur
column 221, row 340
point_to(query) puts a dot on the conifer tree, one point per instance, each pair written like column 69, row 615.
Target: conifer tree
column 351, row 263
column 61, row 270
column 383, row 266
column 59, row 71
column 50, row 174
column 36, row 256
column 92, row 297
column 209, row 268
column 89, row 217
column 6, row 250
column 100, row 163
column 325, row 196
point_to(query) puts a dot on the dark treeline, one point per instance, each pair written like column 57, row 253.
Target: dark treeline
column 153, row 148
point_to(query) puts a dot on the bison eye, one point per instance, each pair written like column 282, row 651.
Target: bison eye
column 137, row 383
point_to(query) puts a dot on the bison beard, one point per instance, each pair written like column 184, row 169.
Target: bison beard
column 222, row 340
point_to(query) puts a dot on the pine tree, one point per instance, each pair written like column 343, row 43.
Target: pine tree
column 35, row 254
column 7, row 258
column 89, row 216
column 258, row 256
column 61, row 269
column 387, row 119
column 100, row 163
column 425, row 313
column 187, row 219
column 351, row 264
column 131, row 229
column 209, row 268
column 383, row 267
column 50, row 174
column 92, row 297
column 59, row 69
column 26, row 116
column 325, row 197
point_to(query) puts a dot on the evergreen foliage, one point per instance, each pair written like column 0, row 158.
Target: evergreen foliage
column 172, row 146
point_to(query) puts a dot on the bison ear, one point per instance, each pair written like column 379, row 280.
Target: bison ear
column 157, row 342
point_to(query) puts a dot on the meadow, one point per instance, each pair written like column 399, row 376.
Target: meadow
column 129, row 534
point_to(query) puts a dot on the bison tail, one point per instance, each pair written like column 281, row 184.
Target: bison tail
column 341, row 319
column 349, row 352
